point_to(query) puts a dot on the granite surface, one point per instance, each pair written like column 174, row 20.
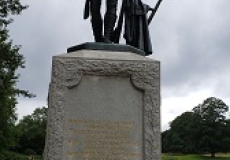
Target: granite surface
column 104, row 105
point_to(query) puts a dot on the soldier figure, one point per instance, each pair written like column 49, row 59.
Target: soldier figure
column 94, row 7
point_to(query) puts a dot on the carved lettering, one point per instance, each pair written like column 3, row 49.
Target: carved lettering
column 101, row 140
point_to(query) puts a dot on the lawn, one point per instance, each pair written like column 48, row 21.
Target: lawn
column 219, row 156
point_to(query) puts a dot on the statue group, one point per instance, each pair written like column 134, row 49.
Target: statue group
column 134, row 14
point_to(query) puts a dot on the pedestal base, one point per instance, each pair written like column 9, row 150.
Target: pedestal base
column 104, row 105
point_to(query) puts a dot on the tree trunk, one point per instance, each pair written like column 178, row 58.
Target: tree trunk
column 213, row 154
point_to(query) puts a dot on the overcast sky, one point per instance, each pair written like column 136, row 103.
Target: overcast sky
column 191, row 38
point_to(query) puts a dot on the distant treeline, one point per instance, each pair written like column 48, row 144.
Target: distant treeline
column 205, row 129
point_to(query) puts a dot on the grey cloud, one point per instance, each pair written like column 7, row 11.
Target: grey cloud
column 46, row 29
column 190, row 38
column 199, row 46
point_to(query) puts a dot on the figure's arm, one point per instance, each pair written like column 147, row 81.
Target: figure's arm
column 86, row 11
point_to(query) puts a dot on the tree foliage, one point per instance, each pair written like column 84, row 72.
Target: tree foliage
column 10, row 61
column 181, row 138
column 213, row 122
column 31, row 132
column 212, row 110
column 204, row 130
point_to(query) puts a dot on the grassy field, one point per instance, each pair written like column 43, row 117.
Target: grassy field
column 195, row 157
column 219, row 156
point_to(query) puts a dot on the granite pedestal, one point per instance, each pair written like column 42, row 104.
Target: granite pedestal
column 103, row 105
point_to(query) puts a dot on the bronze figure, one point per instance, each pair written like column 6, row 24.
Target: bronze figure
column 93, row 7
column 135, row 15
column 136, row 19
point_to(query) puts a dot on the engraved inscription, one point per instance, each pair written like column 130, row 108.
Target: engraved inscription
column 98, row 139
column 103, row 120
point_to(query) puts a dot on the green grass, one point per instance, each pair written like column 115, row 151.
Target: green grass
column 195, row 157
column 219, row 156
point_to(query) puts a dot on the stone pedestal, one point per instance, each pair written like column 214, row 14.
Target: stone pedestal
column 104, row 105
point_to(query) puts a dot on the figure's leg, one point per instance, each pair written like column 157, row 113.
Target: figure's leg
column 95, row 7
column 110, row 19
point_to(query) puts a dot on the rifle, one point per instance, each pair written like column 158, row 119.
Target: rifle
column 154, row 10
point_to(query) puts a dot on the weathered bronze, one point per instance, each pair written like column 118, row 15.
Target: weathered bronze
column 106, row 47
column 93, row 7
column 136, row 31
column 134, row 13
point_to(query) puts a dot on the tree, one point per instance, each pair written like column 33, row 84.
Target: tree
column 226, row 138
column 32, row 131
column 10, row 61
column 213, row 137
column 205, row 130
column 181, row 137
column 212, row 110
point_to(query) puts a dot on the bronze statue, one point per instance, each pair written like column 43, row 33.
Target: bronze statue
column 136, row 30
column 93, row 7
column 136, row 17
